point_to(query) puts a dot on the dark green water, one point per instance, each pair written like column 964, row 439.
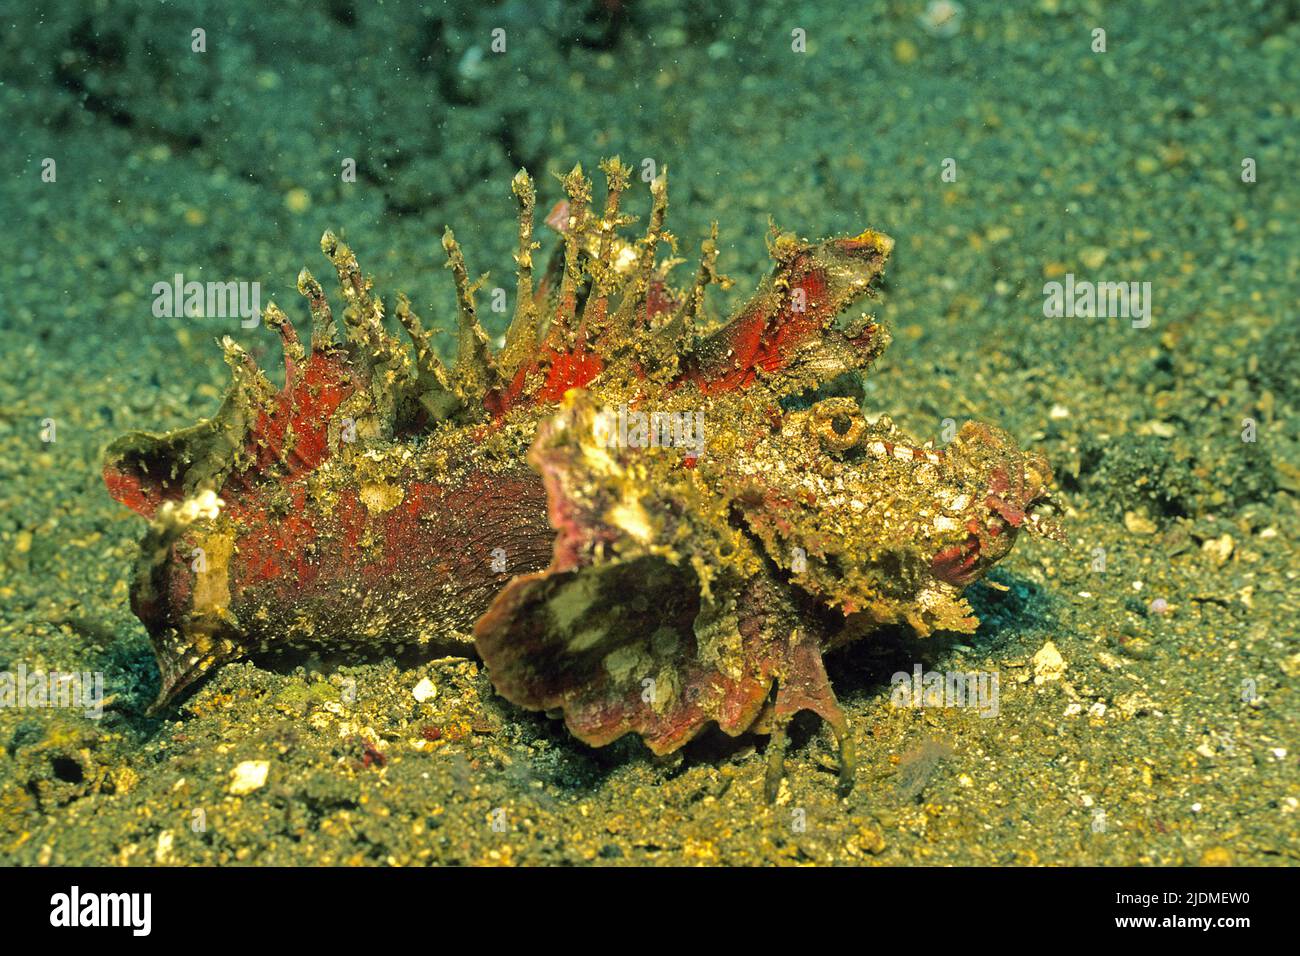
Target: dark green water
column 1002, row 150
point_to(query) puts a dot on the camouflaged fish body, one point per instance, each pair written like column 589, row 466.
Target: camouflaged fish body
column 640, row 519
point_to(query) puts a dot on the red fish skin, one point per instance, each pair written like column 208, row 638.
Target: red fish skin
column 426, row 560
column 381, row 500
column 342, row 577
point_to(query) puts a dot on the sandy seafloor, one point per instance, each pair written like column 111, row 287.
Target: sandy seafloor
column 1170, row 737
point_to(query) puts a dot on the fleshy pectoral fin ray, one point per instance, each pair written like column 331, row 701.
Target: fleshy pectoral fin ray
column 181, row 663
column 627, row 631
column 803, row 685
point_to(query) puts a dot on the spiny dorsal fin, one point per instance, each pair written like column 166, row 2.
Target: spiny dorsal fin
column 433, row 386
column 245, row 372
column 786, row 333
column 323, row 335
column 426, row 357
column 686, row 319
column 473, row 374
column 605, row 275
column 637, row 289
column 560, row 335
column 522, row 336
column 294, row 354
column 671, row 341
column 364, row 315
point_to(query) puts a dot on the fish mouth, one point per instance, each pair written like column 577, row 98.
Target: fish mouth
column 1025, row 502
column 960, row 564
column 989, row 540
column 1040, row 519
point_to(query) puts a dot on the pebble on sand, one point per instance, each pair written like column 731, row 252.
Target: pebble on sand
column 1139, row 523
column 425, row 690
column 248, row 776
column 1049, row 665
column 1219, row 549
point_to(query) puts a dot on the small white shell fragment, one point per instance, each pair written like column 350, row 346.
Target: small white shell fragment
column 248, row 776
column 425, row 690
column 1048, row 664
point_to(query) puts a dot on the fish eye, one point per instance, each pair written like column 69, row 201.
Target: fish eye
column 837, row 423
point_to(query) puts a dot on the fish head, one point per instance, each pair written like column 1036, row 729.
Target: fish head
column 1011, row 495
